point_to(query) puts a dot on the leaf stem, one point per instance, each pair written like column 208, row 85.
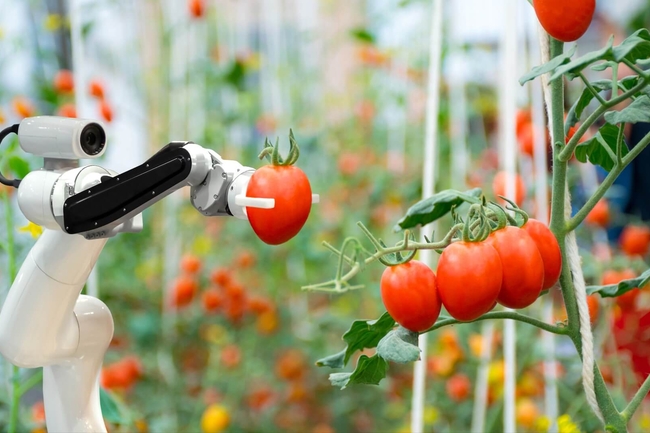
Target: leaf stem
column 636, row 401
column 591, row 88
column 640, row 72
column 512, row 315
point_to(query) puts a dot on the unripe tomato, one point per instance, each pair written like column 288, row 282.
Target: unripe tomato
column 469, row 279
column 523, row 267
column 499, row 186
column 458, row 387
column 548, row 248
column 565, row 20
column 215, row 419
column 634, row 240
column 290, row 188
column 410, row 294
column 627, row 301
column 599, row 215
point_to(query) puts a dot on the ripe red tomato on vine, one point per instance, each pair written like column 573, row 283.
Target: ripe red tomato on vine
column 289, row 187
column 63, row 81
column 196, row 8
column 410, row 294
column 635, row 240
column 469, row 279
column 523, row 283
column 548, row 248
column 599, row 215
column 565, row 20
column 499, row 186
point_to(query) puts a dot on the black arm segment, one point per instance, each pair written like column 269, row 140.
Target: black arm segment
column 116, row 196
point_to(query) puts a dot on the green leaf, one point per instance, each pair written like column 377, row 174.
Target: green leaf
column 235, row 75
column 548, row 66
column 592, row 150
column 399, row 345
column 363, row 35
column 110, row 411
column 600, row 66
column 637, row 111
column 366, row 334
column 369, row 371
column 333, row 361
column 634, row 47
column 436, row 206
column 19, row 167
column 614, row 290
column 572, row 68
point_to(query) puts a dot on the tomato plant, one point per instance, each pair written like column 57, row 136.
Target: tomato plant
column 470, row 275
column 289, row 187
column 523, row 283
column 565, row 21
column 410, row 294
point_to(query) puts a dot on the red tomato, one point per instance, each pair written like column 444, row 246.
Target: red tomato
column 67, row 110
column 259, row 305
column 106, row 111
column 634, row 240
column 458, row 387
column 594, row 307
column 183, row 291
column 96, row 89
column 290, row 188
column 196, row 7
column 499, row 186
column 221, row 277
column 230, row 356
column 523, row 120
column 63, row 81
column 291, row 365
column 469, row 279
column 523, row 267
column 190, row 264
column 599, row 215
column 627, row 301
column 212, row 300
column 410, row 294
column 565, row 20
column 548, row 248
column 526, row 139
column 23, row 107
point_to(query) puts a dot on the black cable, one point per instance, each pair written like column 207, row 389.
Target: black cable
column 3, row 180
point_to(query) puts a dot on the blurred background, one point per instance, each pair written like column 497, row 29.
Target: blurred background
column 209, row 317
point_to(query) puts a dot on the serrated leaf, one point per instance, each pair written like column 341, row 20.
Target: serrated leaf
column 637, row 111
column 366, row 334
column 19, row 167
column 571, row 69
column 110, row 411
column 614, row 290
column 363, row 35
column 399, row 345
column 333, row 361
column 575, row 112
column 435, row 207
column 592, row 150
column 634, row 47
column 548, row 66
column 369, row 371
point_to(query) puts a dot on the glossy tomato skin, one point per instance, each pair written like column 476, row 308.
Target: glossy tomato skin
column 469, row 279
column 409, row 292
column 290, row 188
column 565, row 20
column 523, row 267
column 548, row 248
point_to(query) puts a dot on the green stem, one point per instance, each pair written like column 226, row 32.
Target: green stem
column 591, row 89
column 565, row 154
column 512, row 315
column 628, row 412
column 640, row 72
column 34, row 380
column 606, row 184
column 11, row 256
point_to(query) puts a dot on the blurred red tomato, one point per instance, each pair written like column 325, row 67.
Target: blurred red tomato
column 190, row 264
column 183, row 291
column 96, row 89
column 502, row 179
column 599, row 215
column 634, row 240
column 63, row 81
column 67, row 110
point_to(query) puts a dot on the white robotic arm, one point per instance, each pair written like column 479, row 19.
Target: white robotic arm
column 44, row 321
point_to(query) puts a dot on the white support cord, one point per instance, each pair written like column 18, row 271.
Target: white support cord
column 428, row 187
column 574, row 262
column 481, row 389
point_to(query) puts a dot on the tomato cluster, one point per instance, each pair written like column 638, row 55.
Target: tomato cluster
column 511, row 267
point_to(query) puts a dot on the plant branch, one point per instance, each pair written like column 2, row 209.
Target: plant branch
column 635, row 68
column 512, row 315
column 591, row 88
column 607, row 183
column 636, row 401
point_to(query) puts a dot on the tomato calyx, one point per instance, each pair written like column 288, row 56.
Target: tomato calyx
column 518, row 213
column 272, row 153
